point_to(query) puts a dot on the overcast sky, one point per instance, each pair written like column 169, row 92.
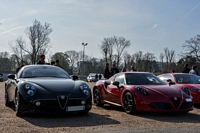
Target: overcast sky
column 150, row 25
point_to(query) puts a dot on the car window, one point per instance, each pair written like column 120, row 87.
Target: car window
column 44, row 72
column 165, row 77
column 120, row 79
column 187, row 79
column 143, row 79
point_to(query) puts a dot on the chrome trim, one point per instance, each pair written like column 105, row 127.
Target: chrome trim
column 59, row 98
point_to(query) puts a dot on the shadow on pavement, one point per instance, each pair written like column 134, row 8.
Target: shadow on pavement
column 69, row 120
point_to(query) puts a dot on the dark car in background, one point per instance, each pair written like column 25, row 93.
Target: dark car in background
column 1, row 77
column 47, row 89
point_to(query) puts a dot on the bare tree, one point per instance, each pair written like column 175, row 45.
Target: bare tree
column 4, row 61
column 73, row 57
column 170, row 57
column 120, row 44
column 39, row 42
column 148, row 60
column 192, row 48
column 138, row 59
column 162, row 60
column 18, row 52
column 107, row 49
column 166, row 50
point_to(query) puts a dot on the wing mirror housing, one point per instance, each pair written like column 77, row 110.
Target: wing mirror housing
column 116, row 83
column 169, row 80
column 171, row 83
column 11, row 76
column 74, row 77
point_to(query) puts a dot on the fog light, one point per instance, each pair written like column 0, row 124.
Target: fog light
column 83, row 102
column 37, row 103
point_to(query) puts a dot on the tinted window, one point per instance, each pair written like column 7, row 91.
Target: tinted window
column 43, row 71
column 143, row 79
column 187, row 79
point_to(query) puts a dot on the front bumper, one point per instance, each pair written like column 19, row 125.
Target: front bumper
column 170, row 105
column 57, row 106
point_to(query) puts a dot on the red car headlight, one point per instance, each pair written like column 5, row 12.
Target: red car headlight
column 186, row 90
column 142, row 90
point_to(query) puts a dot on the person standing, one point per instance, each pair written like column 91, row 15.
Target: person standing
column 42, row 59
column 194, row 71
column 52, row 63
column 106, row 71
column 99, row 76
column 57, row 63
column 185, row 69
column 114, row 70
column 123, row 69
column 133, row 69
column 173, row 71
column 18, row 68
column 96, row 77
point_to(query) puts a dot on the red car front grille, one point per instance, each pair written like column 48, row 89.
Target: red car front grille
column 160, row 105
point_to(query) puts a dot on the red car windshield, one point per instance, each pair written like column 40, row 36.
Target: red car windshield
column 143, row 79
column 187, row 79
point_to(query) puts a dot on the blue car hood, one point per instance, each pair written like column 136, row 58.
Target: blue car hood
column 53, row 84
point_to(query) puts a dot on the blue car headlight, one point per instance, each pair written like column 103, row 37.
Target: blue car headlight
column 85, row 89
column 142, row 90
column 186, row 90
column 30, row 89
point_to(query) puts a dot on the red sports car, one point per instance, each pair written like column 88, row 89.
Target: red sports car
column 141, row 91
column 191, row 81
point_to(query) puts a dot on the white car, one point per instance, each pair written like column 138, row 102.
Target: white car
column 91, row 77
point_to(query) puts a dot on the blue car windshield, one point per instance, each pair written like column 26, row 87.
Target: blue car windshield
column 143, row 79
column 44, row 71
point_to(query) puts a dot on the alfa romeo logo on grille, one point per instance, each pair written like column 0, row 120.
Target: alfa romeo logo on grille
column 62, row 97
column 62, row 100
column 175, row 98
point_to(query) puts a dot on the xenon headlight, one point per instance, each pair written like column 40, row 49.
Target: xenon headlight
column 142, row 90
column 85, row 89
column 30, row 89
column 195, row 89
column 185, row 89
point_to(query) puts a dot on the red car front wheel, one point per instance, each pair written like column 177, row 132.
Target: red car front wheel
column 128, row 102
column 97, row 98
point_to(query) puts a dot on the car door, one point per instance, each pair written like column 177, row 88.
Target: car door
column 114, row 91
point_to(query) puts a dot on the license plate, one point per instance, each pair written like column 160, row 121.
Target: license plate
column 75, row 108
column 188, row 100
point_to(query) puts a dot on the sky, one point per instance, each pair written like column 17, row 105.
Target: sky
column 150, row 25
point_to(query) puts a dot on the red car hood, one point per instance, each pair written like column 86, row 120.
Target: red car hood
column 163, row 89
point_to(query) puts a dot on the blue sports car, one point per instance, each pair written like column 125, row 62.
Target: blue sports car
column 46, row 89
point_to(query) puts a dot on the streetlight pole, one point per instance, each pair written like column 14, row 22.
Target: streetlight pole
column 84, row 44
